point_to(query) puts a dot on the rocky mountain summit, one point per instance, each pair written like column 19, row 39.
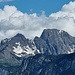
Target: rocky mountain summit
column 50, row 54
column 53, row 41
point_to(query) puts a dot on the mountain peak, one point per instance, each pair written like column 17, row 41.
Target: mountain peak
column 19, row 35
column 50, row 30
column 56, row 42
column 48, row 33
column 53, row 33
column 18, row 38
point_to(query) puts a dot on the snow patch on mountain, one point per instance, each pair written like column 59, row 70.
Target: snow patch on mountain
column 72, row 50
column 21, row 51
column 18, row 49
column 28, row 50
column 60, row 31
column 34, row 46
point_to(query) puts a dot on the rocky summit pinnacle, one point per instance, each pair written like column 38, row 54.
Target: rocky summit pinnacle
column 55, row 42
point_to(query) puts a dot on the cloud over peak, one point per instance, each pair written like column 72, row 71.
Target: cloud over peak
column 13, row 21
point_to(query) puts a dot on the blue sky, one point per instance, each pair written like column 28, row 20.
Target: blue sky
column 37, row 6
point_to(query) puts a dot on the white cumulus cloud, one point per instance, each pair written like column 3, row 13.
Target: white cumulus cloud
column 13, row 21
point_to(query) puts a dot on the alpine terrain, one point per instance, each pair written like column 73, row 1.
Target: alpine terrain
column 50, row 54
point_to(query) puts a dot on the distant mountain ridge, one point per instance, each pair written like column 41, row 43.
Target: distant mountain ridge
column 51, row 42
column 50, row 54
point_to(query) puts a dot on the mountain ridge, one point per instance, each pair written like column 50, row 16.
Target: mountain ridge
column 51, row 41
column 55, row 40
column 50, row 54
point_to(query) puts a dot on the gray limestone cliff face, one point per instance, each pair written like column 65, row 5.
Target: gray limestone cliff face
column 53, row 41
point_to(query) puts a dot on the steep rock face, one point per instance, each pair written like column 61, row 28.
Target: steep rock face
column 49, row 65
column 43, row 65
column 15, row 48
column 3, row 72
column 55, row 42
